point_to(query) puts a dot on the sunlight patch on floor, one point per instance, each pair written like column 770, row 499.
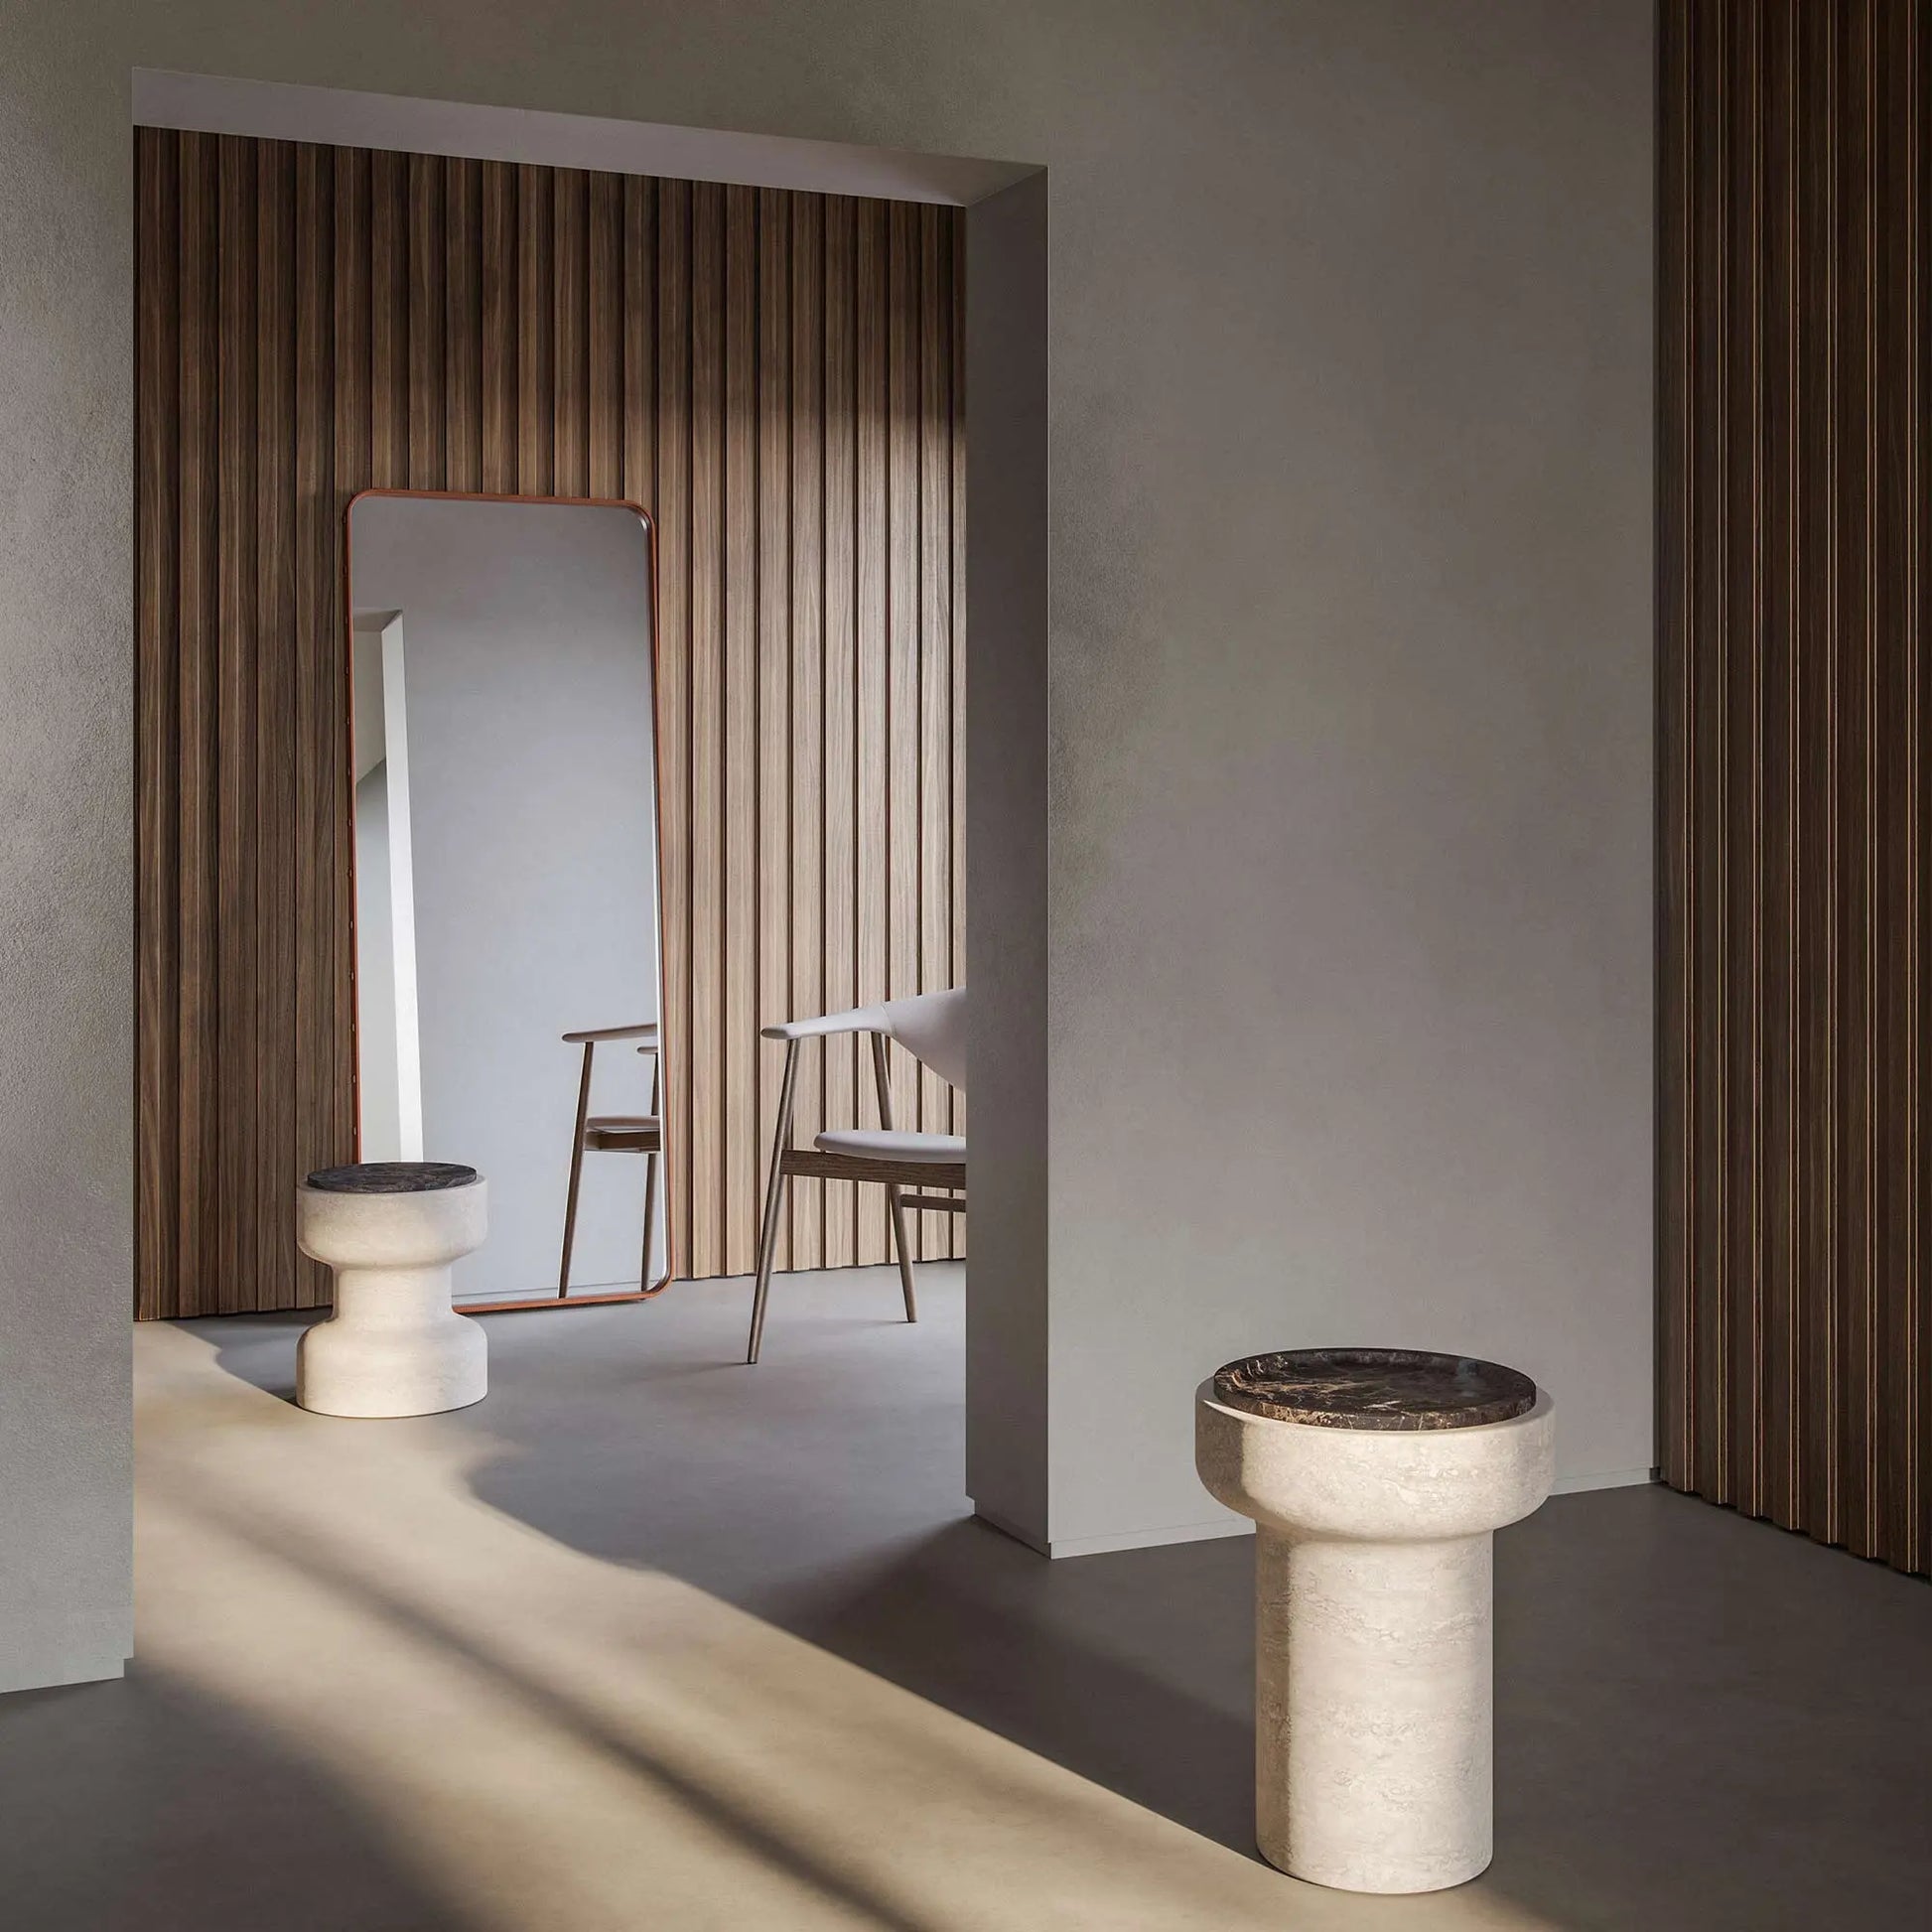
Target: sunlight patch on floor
column 551, row 1740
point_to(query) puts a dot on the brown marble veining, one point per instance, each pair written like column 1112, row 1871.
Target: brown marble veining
column 391, row 1177
column 1374, row 1388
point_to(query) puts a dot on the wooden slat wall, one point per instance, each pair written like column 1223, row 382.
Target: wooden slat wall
column 776, row 377
column 1793, row 807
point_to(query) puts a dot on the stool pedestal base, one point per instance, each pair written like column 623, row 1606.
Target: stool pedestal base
column 394, row 1346
column 1372, row 1710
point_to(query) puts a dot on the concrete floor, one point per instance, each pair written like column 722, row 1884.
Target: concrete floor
column 650, row 1640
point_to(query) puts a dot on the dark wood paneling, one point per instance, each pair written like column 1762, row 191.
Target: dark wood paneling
column 1793, row 195
column 776, row 377
column 160, row 904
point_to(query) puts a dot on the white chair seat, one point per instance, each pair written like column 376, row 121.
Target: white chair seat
column 931, row 1027
column 879, row 1144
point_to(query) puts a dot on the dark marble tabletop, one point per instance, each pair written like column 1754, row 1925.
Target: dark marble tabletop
column 391, row 1177
column 1374, row 1388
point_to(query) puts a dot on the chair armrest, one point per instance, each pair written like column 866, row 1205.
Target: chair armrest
column 646, row 1030
column 860, row 1019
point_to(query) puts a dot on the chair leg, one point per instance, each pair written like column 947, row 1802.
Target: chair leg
column 774, row 1201
column 651, row 1220
column 767, row 1251
column 576, row 1170
column 883, row 1081
column 650, row 1189
column 904, row 1253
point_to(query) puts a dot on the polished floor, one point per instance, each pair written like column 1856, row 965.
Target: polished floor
column 651, row 1640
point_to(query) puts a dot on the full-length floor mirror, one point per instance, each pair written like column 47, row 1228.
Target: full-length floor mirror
column 507, row 960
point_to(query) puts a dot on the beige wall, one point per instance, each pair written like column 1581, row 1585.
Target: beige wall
column 1348, row 962
column 65, row 937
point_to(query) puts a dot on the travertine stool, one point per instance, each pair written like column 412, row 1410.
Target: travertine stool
column 394, row 1347
column 1376, row 1479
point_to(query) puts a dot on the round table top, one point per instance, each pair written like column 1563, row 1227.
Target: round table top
column 391, row 1177
column 1374, row 1388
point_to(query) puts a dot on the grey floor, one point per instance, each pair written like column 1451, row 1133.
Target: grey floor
column 1702, row 1723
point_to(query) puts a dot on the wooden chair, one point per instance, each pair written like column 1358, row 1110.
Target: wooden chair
column 931, row 1027
column 614, row 1134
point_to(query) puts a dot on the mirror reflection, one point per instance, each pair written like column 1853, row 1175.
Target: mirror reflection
column 507, row 960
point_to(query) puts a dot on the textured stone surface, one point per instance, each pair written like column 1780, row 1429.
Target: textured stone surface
column 1373, row 1633
column 394, row 1346
column 1374, row 1388
column 391, row 1177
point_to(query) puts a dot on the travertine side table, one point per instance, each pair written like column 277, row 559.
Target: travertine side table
column 394, row 1347
column 1376, row 1479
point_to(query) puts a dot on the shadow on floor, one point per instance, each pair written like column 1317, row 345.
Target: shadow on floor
column 1703, row 1723
column 1132, row 1672
column 753, row 1837
column 121, row 1803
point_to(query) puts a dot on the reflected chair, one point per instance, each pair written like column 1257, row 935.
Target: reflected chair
column 931, row 1027
column 614, row 1134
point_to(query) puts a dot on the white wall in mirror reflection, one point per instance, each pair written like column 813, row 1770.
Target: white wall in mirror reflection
column 388, row 1059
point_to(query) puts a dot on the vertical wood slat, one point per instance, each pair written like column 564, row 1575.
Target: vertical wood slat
column 605, row 290
column 805, row 503
column 1793, row 528
column 1909, row 1403
column 463, row 434
column 872, row 666
column 838, row 842
column 428, row 256
column 933, row 648
column 197, row 1260
column 708, row 1144
column 1817, row 752
column 570, row 381
column 1851, row 1176
column 1740, row 778
column 389, row 307
column 1892, row 1506
column 535, row 326
column 1780, row 1354
column 273, row 777
column 637, row 326
column 497, row 278
column 771, row 869
column 674, row 669
column 236, row 651
column 902, row 427
column 322, row 1104
column 776, row 376
column 740, row 1118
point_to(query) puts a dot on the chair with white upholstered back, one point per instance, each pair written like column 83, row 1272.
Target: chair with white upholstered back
column 931, row 1027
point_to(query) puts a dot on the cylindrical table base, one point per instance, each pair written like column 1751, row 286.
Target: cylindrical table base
column 1373, row 1730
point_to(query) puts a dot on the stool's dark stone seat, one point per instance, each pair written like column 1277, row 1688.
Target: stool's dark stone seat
column 391, row 1177
column 1374, row 1388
